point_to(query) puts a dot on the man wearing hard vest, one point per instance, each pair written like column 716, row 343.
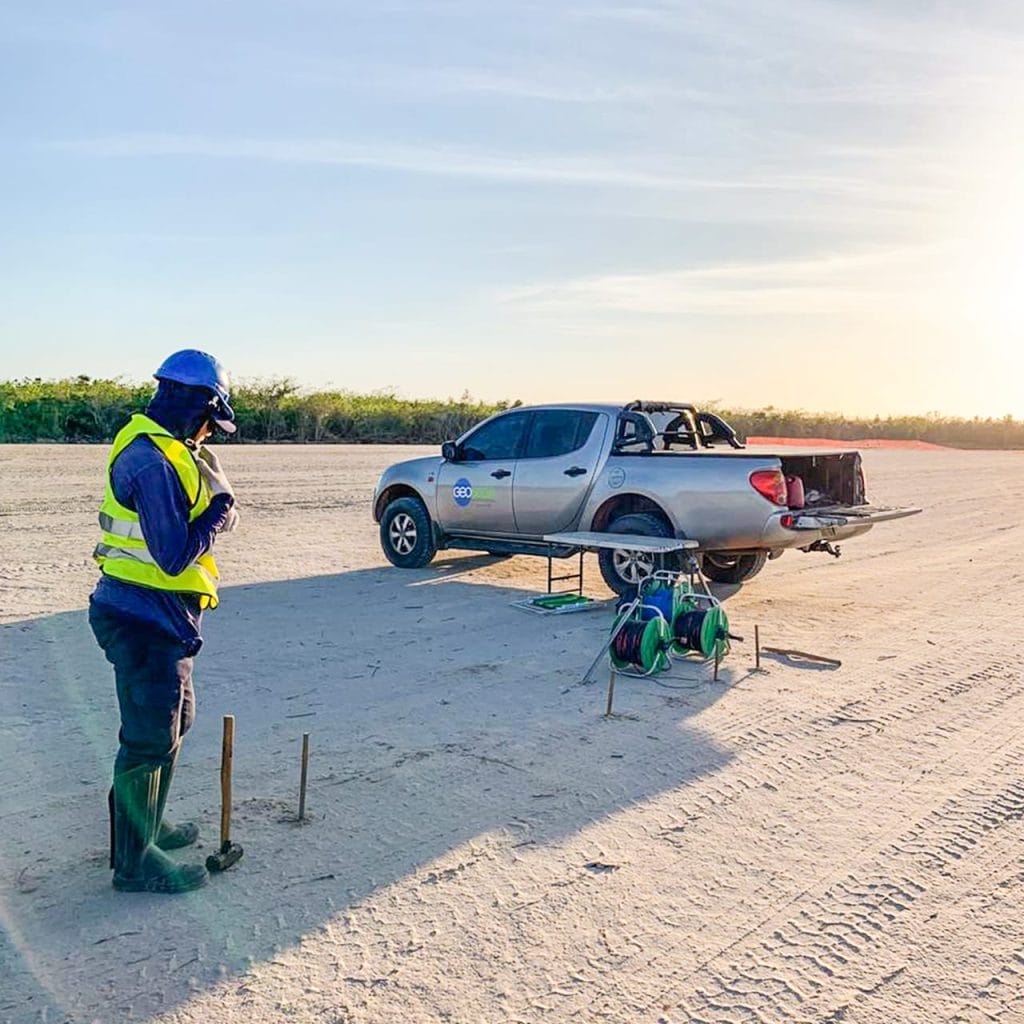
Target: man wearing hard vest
column 165, row 502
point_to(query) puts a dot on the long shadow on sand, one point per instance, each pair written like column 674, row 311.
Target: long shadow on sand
column 438, row 713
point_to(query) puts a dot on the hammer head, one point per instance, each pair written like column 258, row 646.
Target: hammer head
column 230, row 853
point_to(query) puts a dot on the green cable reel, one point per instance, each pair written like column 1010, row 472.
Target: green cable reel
column 683, row 607
column 645, row 633
column 652, row 650
column 714, row 632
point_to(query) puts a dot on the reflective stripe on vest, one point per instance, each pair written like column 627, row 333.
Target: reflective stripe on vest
column 121, row 527
column 122, row 552
column 136, row 554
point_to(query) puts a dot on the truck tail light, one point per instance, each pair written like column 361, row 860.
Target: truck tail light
column 770, row 484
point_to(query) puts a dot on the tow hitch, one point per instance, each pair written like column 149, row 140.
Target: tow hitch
column 823, row 545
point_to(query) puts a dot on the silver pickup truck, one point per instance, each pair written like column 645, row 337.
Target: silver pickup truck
column 662, row 469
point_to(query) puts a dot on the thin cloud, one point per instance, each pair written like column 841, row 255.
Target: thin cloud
column 902, row 278
column 528, row 82
column 466, row 163
column 876, row 28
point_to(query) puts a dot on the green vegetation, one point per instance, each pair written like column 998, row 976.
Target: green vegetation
column 953, row 432
column 81, row 410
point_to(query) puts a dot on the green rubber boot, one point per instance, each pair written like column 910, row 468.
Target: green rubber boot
column 139, row 865
column 168, row 836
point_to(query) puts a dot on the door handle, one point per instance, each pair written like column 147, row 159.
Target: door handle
column 500, row 474
column 575, row 471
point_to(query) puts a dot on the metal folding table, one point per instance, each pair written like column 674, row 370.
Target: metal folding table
column 586, row 541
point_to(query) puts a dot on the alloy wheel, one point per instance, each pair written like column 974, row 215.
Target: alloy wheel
column 402, row 533
column 632, row 566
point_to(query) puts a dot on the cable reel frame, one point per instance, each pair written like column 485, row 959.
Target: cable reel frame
column 658, row 642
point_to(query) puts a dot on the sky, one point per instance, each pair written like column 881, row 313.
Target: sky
column 812, row 204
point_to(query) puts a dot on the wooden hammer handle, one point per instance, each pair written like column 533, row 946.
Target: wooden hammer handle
column 227, row 755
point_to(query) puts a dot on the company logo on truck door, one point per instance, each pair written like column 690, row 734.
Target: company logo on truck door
column 464, row 493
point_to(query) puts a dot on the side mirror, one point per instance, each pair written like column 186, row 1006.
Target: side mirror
column 450, row 451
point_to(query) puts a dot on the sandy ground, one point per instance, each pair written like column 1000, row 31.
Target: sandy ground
column 797, row 845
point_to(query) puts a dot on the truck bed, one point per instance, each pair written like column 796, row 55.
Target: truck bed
column 830, row 477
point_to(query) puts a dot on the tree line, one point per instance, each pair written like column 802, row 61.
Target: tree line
column 81, row 409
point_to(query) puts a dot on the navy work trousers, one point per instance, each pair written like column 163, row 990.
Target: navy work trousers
column 154, row 688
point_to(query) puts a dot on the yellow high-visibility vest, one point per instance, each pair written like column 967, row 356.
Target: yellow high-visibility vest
column 122, row 551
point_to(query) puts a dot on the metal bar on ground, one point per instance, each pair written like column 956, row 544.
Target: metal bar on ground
column 304, row 776
column 789, row 652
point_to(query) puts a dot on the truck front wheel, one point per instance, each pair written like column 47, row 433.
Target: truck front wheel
column 406, row 535
column 728, row 567
column 623, row 569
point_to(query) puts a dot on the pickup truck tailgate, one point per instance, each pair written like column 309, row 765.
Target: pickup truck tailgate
column 856, row 515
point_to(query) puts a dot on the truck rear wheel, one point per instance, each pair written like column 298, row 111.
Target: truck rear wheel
column 406, row 536
column 623, row 570
column 727, row 567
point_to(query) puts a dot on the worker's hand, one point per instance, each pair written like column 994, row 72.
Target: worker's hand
column 231, row 523
column 209, row 466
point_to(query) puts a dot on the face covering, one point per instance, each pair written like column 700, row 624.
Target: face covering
column 181, row 409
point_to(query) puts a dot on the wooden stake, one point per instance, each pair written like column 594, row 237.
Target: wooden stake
column 305, row 775
column 611, row 692
column 757, row 648
column 718, row 658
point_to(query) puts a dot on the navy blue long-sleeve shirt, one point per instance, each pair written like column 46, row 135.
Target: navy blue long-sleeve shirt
column 145, row 482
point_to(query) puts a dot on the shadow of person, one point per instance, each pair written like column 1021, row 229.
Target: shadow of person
column 438, row 715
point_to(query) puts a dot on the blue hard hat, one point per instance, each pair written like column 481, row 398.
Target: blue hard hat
column 201, row 370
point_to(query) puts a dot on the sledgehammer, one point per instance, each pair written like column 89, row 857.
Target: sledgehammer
column 229, row 852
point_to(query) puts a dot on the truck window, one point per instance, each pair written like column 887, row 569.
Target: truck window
column 498, row 439
column 557, row 432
